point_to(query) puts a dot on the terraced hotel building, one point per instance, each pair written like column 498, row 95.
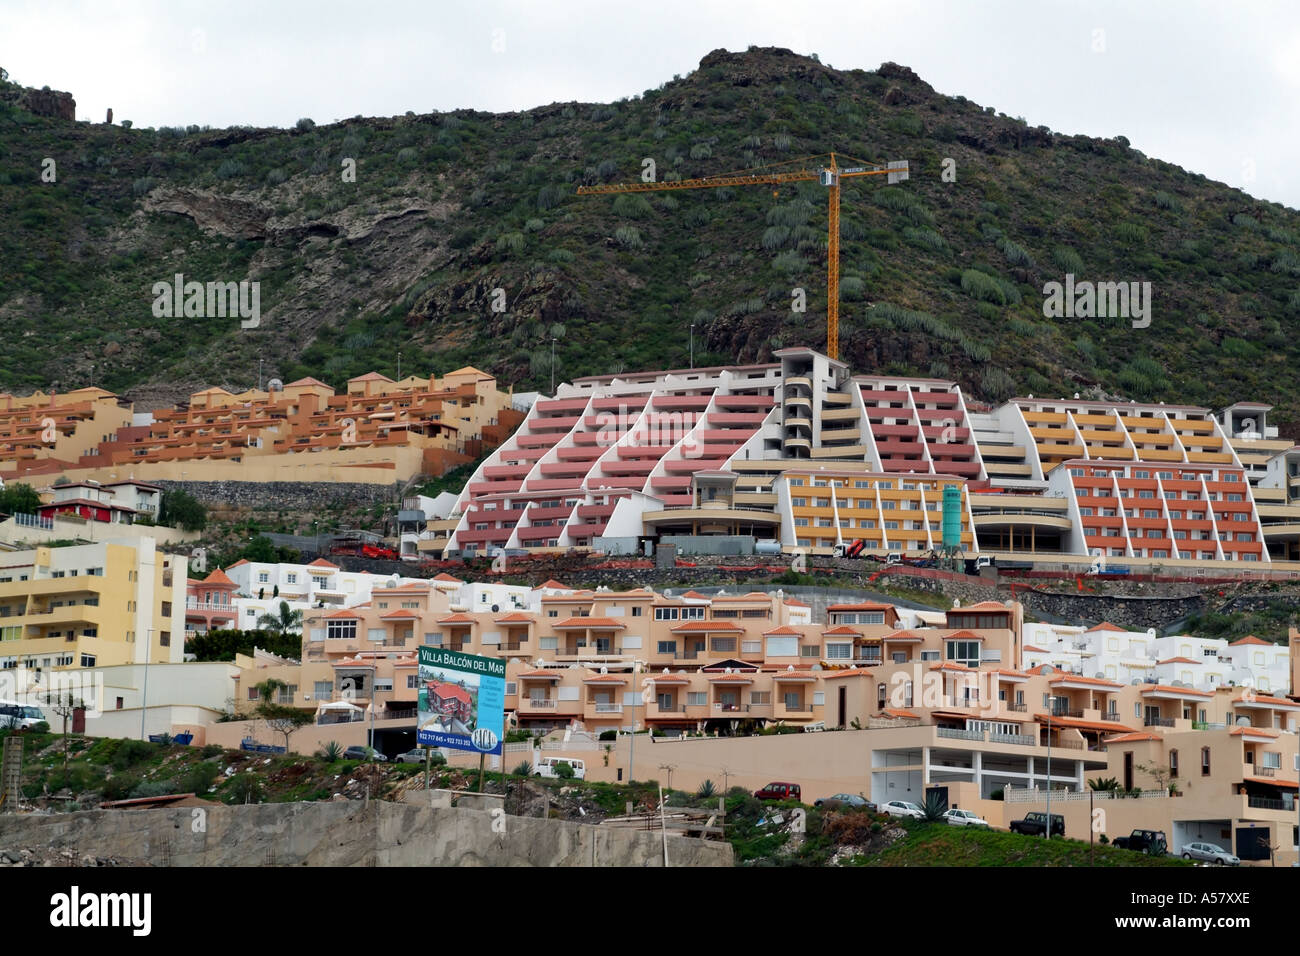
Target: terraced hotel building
column 804, row 452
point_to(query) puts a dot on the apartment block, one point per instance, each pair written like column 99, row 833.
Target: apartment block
column 613, row 461
column 42, row 430
column 378, row 430
column 91, row 605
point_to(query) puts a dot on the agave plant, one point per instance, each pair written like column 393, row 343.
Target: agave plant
column 934, row 808
column 332, row 751
column 523, row 770
column 707, row 789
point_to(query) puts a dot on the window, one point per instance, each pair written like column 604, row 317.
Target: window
column 760, row 697
column 341, row 630
column 87, row 660
column 964, row 652
column 666, row 614
column 1271, row 758
column 263, row 577
column 1205, row 761
column 668, row 647
column 1173, row 763
column 165, row 639
column 637, row 611
column 838, row 652
column 697, row 699
column 693, row 613
column 324, row 689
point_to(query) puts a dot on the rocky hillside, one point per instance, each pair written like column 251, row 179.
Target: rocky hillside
column 939, row 277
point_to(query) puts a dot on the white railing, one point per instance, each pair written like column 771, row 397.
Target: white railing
column 959, row 734
column 602, row 708
column 1033, row 795
column 33, row 521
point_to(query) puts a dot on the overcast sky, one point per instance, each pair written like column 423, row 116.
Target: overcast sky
column 1211, row 86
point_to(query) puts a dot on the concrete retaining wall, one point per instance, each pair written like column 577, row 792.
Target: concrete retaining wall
column 347, row 833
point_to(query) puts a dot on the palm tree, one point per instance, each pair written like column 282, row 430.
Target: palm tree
column 285, row 623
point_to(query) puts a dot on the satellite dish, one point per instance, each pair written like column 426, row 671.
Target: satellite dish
column 1099, row 675
column 495, row 608
column 1045, row 670
column 1151, row 632
column 275, row 385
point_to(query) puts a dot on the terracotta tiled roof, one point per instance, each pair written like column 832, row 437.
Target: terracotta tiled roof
column 1249, row 639
column 701, row 627
column 322, row 563
column 1131, row 738
column 1256, row 731
column 1267, row 701
column 1064, row 678
column 843, row 630
column 785, row 629
column 444, row 576
column 846, row 672
column 220, row 578
column 1177, row 660
column 1106, row 626
column 515, row 618
column 590, row 622
column 1081, row 724
column 982, row 606
column 457, row 619
column 864, row 606
column 1165, row 688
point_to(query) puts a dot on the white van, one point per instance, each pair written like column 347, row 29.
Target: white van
column 545, row 767
column 16, row 716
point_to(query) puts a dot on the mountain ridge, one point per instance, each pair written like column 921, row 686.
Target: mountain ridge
column 938, row 278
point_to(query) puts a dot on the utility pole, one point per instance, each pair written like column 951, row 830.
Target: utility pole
column 399, row 366
column 144, row 697
column 692, row 345
column 552, row 366
column 1049, row 773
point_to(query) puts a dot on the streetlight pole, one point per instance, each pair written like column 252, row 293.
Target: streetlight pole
column 631, row 747
column 552, row 366
column 399, row 366
column 144, row 697
column 692, row 345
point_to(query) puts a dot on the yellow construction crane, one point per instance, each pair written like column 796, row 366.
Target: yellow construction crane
column 828, row 174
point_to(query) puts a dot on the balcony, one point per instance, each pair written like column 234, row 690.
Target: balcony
column 606, row 708
column 724, row 708
column 1158, row 722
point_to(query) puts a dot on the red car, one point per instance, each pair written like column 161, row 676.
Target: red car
column 780, row 791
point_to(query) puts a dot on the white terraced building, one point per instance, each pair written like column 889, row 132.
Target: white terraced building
column 700, row 452
column 1109, row 652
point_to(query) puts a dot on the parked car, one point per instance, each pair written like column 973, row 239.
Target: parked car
column 546, row 767
column 363, row 753
column 964, row 818
column 1150, row 842
column 901, row 808
column 780, row 791
column 1210, row 853
column 1035, row 824
column 848, row 800
column 417, row 756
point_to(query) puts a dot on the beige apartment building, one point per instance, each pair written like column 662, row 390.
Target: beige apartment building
column 90, row 606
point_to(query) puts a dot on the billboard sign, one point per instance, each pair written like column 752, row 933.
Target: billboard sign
column 462, row 701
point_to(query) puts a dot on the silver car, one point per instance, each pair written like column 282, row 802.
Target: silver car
column 964, row 818
column 902, row 808
column 1209, row 853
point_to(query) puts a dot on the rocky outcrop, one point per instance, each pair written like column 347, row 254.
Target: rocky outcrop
column 52, row 103
column 220, row 215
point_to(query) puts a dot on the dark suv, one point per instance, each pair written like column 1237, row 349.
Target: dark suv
column 363, row 753
column 1150, row 842
column 1035, row 824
